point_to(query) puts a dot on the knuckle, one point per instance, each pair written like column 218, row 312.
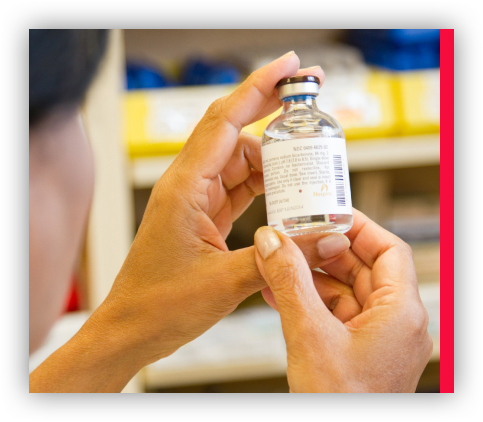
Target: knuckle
column 285, row 277
column 250, row 190
column 354, row 271
column 428, row 346
column 406, row 249
column 157, row 190
column 418, row 319
column 216, row 109
column 254, row 81
column 425, row 319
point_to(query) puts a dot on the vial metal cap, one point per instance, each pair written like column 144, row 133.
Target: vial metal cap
column 298, row 85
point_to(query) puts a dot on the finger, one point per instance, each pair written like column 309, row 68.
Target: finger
column 321, row 249
column 313, row 71
column 215, row 198
column 214, row 139
column 246, row 156
column 338, row 297
column 269, row 297
column 236, row 201
column 371, row 244
column 349, row 269
column 369, row 240
column 286, row 272
column 243, row 195
column 244, row 271
column 222, row 220
column 274, row 103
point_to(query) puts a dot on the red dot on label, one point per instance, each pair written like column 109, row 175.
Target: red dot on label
column 300, row 190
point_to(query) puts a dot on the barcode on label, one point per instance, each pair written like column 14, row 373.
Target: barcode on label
column 339, row 181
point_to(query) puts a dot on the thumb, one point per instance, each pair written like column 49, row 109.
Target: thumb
column 215, row 137
column 284, row 268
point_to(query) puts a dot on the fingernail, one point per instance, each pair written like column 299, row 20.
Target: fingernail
column 332, row 245
column 314, row 67
column 267, row 241
column 289, row 53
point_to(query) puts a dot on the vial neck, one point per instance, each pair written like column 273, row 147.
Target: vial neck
column 299, row 102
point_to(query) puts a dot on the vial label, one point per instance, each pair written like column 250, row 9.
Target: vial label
column 305, row 177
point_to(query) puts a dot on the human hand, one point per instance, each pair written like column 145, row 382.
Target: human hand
column 179, row 278
column 361, row 327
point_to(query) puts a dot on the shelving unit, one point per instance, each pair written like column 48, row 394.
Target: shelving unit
column 110, row 233
column 256, row 350
column 363, row 155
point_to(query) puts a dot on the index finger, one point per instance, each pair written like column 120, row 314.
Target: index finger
column 214, row 139
column 369, row 240
column 274, row 103
column 377, row 258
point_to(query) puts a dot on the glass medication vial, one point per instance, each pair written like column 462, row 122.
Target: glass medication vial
column 305, row 167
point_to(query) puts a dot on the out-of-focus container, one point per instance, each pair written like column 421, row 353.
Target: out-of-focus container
column 398, row 49
column 160, row 121
column 363, row 103
column 417, row 95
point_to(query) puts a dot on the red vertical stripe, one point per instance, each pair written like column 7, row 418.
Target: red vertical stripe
column 447, row 211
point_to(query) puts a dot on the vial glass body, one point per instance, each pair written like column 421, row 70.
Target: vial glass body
column 305, row 169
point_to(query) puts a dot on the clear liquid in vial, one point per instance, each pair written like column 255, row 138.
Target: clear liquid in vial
column 339, row 223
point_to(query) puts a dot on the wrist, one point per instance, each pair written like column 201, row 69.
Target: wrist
column 103, row 349
column 94, row 360
column 134, row 333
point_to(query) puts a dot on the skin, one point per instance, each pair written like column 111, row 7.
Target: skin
column 179, row 278
column 361, row 326
column 61, row 181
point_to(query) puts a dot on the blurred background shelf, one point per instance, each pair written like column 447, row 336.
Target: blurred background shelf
column 363, row 155
column 248, row 344
column 396, row 152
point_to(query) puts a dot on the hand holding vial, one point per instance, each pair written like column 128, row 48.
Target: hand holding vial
column 358, row 327
column 179, row 273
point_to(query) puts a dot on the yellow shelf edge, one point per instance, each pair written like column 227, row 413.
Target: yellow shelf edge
column 363, row 155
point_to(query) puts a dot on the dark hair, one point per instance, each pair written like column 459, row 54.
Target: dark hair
column 62, row 64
